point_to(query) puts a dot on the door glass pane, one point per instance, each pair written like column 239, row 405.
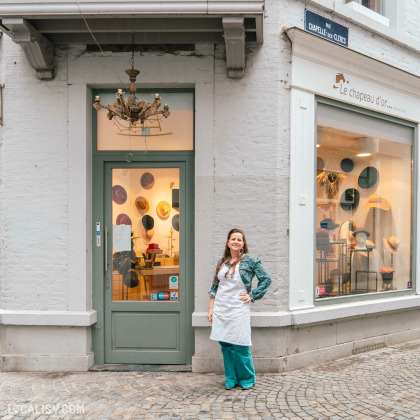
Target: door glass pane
column 363, row 204
column 145, row 234
column 173, row 133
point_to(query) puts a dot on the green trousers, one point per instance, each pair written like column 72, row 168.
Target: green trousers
column 239, row 367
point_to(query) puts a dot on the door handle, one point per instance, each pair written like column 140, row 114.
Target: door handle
column 106, row 248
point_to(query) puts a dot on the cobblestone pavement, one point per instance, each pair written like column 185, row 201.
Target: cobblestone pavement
column 382, row 384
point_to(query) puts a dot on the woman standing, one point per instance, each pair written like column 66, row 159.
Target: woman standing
column 229, row 308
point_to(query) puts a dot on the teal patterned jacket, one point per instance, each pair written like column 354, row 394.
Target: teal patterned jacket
column 248, row 268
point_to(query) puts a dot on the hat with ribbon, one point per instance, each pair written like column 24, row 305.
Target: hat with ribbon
column 329, row 224
column 147, row 181
column 392, row 244
column 142, row 205
column 376, row 201
column 119, row 194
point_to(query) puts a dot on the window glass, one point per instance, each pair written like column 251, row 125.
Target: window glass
column 173, row 133
column 363, row 204
column 375, row 5
column 145, row 234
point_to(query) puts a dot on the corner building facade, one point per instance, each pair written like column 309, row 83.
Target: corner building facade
column 308, row 146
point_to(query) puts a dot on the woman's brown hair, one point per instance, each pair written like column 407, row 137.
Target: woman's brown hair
column 227, row 255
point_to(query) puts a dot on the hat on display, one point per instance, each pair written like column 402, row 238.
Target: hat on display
column 329, row 224
column 370, row 244
column 123, row 219
column 147, row 234
column 349, row 199
column 119, row 194
column 368, row 177
column 175, row 222
column 163, row 210
column 392, row 244
column 142, row 205
column 131, row 279
column 148, row 222
column 377, row 201
column 347, row 165
column 361, row 230
column 147, row 181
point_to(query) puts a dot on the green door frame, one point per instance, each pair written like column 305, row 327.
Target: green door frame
column 99, row 161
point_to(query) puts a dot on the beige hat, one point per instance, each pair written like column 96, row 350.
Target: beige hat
column 377, row 201
column 369, row 244
column 392, row 244
column 147, row 234
column 142, row 204
column 163, row 210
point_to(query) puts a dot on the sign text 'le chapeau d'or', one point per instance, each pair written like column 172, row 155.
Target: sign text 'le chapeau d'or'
column 326, row 28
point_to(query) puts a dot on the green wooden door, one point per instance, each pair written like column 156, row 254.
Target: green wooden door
column 148, row 263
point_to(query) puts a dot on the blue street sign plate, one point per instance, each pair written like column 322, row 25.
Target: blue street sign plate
column 326, row 28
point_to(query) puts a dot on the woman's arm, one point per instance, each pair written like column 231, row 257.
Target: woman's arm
column 210, row 313
column 264, row 281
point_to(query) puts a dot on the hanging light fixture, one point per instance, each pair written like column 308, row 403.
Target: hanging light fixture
column 365, row 146
column 131, row 113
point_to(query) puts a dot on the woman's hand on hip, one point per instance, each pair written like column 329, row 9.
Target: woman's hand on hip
column 245, row 297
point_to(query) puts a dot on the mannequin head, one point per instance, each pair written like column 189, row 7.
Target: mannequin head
column 361, row 240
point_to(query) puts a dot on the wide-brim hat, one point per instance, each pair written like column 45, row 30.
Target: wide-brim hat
column 123, row 219
column 119, row 194
column 376, row 201
column 163, row 210
column 392, row 244
column 329, row 224
column 147, row 181
column 361, row 230
column 368, row 177
column 369, row 244
column 142, row 205
column 148, row 222
column 147, row 234
column 175, row 222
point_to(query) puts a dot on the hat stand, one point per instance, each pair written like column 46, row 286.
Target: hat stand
column 374, row 225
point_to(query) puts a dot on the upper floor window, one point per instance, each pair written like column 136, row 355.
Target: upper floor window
column 375, row 5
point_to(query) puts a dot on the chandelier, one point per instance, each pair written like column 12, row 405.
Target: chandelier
column 130, row 112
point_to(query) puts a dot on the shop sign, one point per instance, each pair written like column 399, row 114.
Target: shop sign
column 346, row 87
column 326, row 28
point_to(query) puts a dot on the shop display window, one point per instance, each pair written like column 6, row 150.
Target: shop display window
column 145, row 234
column 364, row 202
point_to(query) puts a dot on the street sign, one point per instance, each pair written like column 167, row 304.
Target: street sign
column 326, row 28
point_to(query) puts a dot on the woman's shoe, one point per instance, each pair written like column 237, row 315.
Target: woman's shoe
column 250, row 386
column 230, row 386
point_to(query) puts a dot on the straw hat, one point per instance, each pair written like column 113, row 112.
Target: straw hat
column 392, row 244
column 142, row 204
column 163, row 210
column 369, row 244
column 147, row 234
column 377, row 201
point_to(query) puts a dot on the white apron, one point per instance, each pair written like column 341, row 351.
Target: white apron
column 231, row 316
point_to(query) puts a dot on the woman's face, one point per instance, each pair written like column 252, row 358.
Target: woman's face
column 235, row 242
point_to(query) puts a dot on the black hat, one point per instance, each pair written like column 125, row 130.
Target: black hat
column 368, row 177
column 148, row 222
column 350, row 199
column 329, row 224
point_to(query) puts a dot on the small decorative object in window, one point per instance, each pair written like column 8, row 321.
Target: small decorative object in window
column 387, row 274
column 331, row 182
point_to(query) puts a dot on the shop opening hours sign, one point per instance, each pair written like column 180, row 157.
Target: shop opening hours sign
column 326, row 28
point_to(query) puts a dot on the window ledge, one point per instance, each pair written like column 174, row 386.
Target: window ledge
column 348, row 13
column 320, row 315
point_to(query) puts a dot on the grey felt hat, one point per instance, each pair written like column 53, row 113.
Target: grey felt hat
column 329, row 224
column 361, row 230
